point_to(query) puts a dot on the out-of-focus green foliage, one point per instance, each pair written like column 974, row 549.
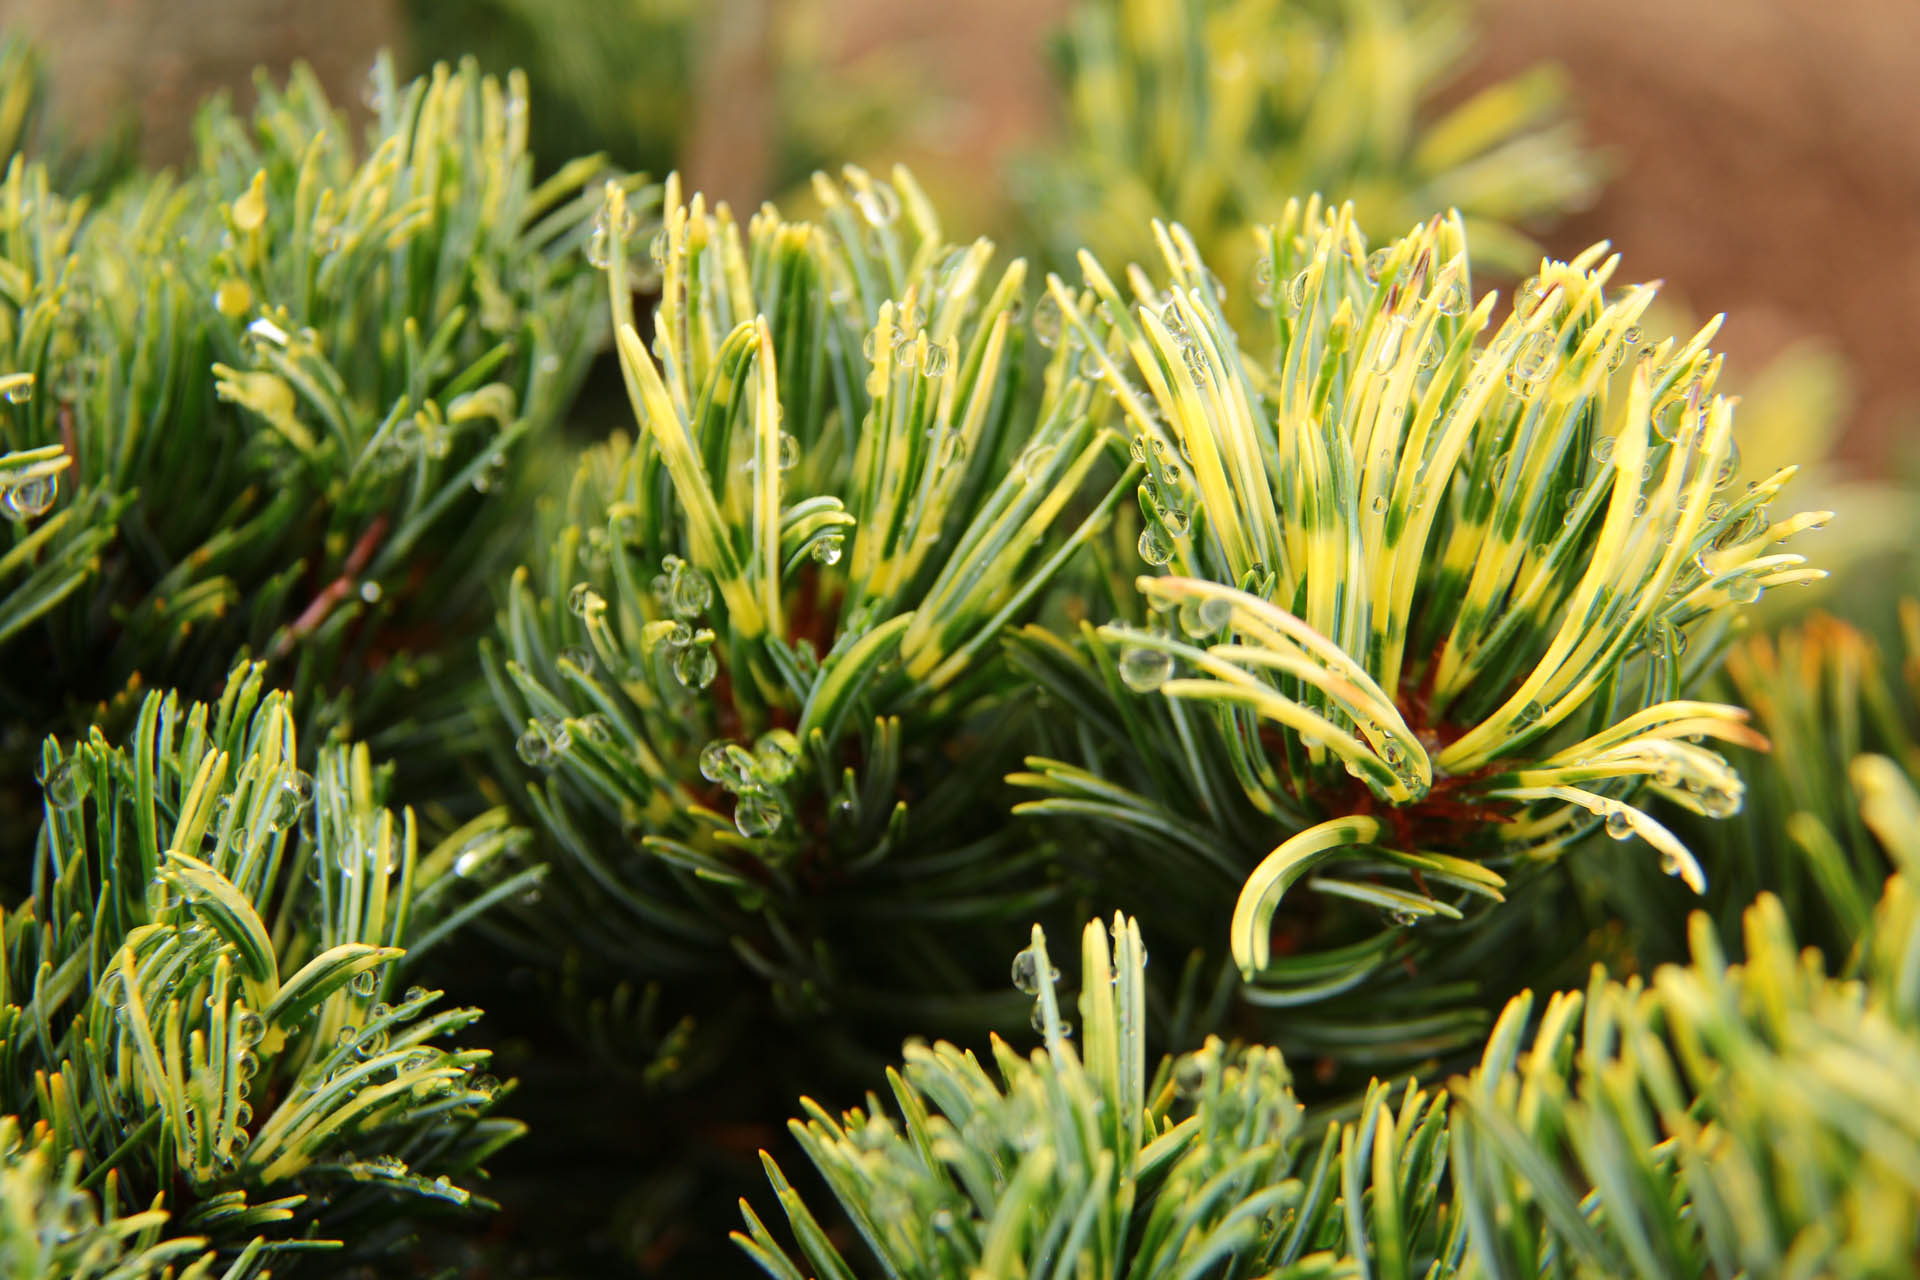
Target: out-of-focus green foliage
column 1214, row 113
column 53, row 1229
column 25, row 129
column 1753, row 1119
column 1841, row 720
column 626, row 76
column 611, row 75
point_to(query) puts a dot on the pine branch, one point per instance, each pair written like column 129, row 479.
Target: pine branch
column 1072, row 1165
column 757, row 671
column 1839, row 715
column 1433, row 628
column 1723, row 1119
column 202, row 999
column 338, row 352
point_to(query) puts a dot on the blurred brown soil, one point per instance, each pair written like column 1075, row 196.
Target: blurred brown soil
column 158, row 58
column 1767, row 165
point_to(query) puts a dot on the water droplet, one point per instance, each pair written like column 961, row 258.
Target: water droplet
column 1528, row 296
column 1449, row 297
column 364, row 983
column 1377, row 263
column 1380, row 505
column 607, row 234
column 1144, row 670
column 1602, row 450
column 827, row 550
column 1263, row 295
column 1744, row 590
column 1298, row 288
column 490, row 473
column 66, row 786
column 1047, row 320
column 1026, row 971
column 1719, row 802
column 776, row 752
column 579, row 657
column 584, row 601
column 19, row 389
column 1196, row 361
column 1618, row 824
column 1176, row 520
column 1729, row 465
column 935, row 362
column 1670, row 862
column 906, row 350
column 533, row 748
column 113, row 989
column 30, row 497
column 1530, row 364
column 879, row 204
column 1155, row 546
column 756, row 815
column 250, row 1028
column 1532, row 713
column 695, row 666
column 1386, row 353
column 688, row 591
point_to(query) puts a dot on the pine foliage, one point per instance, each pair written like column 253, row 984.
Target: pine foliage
column 1272, row 593
column 205, row 990
column 259, row 408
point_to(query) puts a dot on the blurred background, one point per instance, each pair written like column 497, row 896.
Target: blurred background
column 1758, row 156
